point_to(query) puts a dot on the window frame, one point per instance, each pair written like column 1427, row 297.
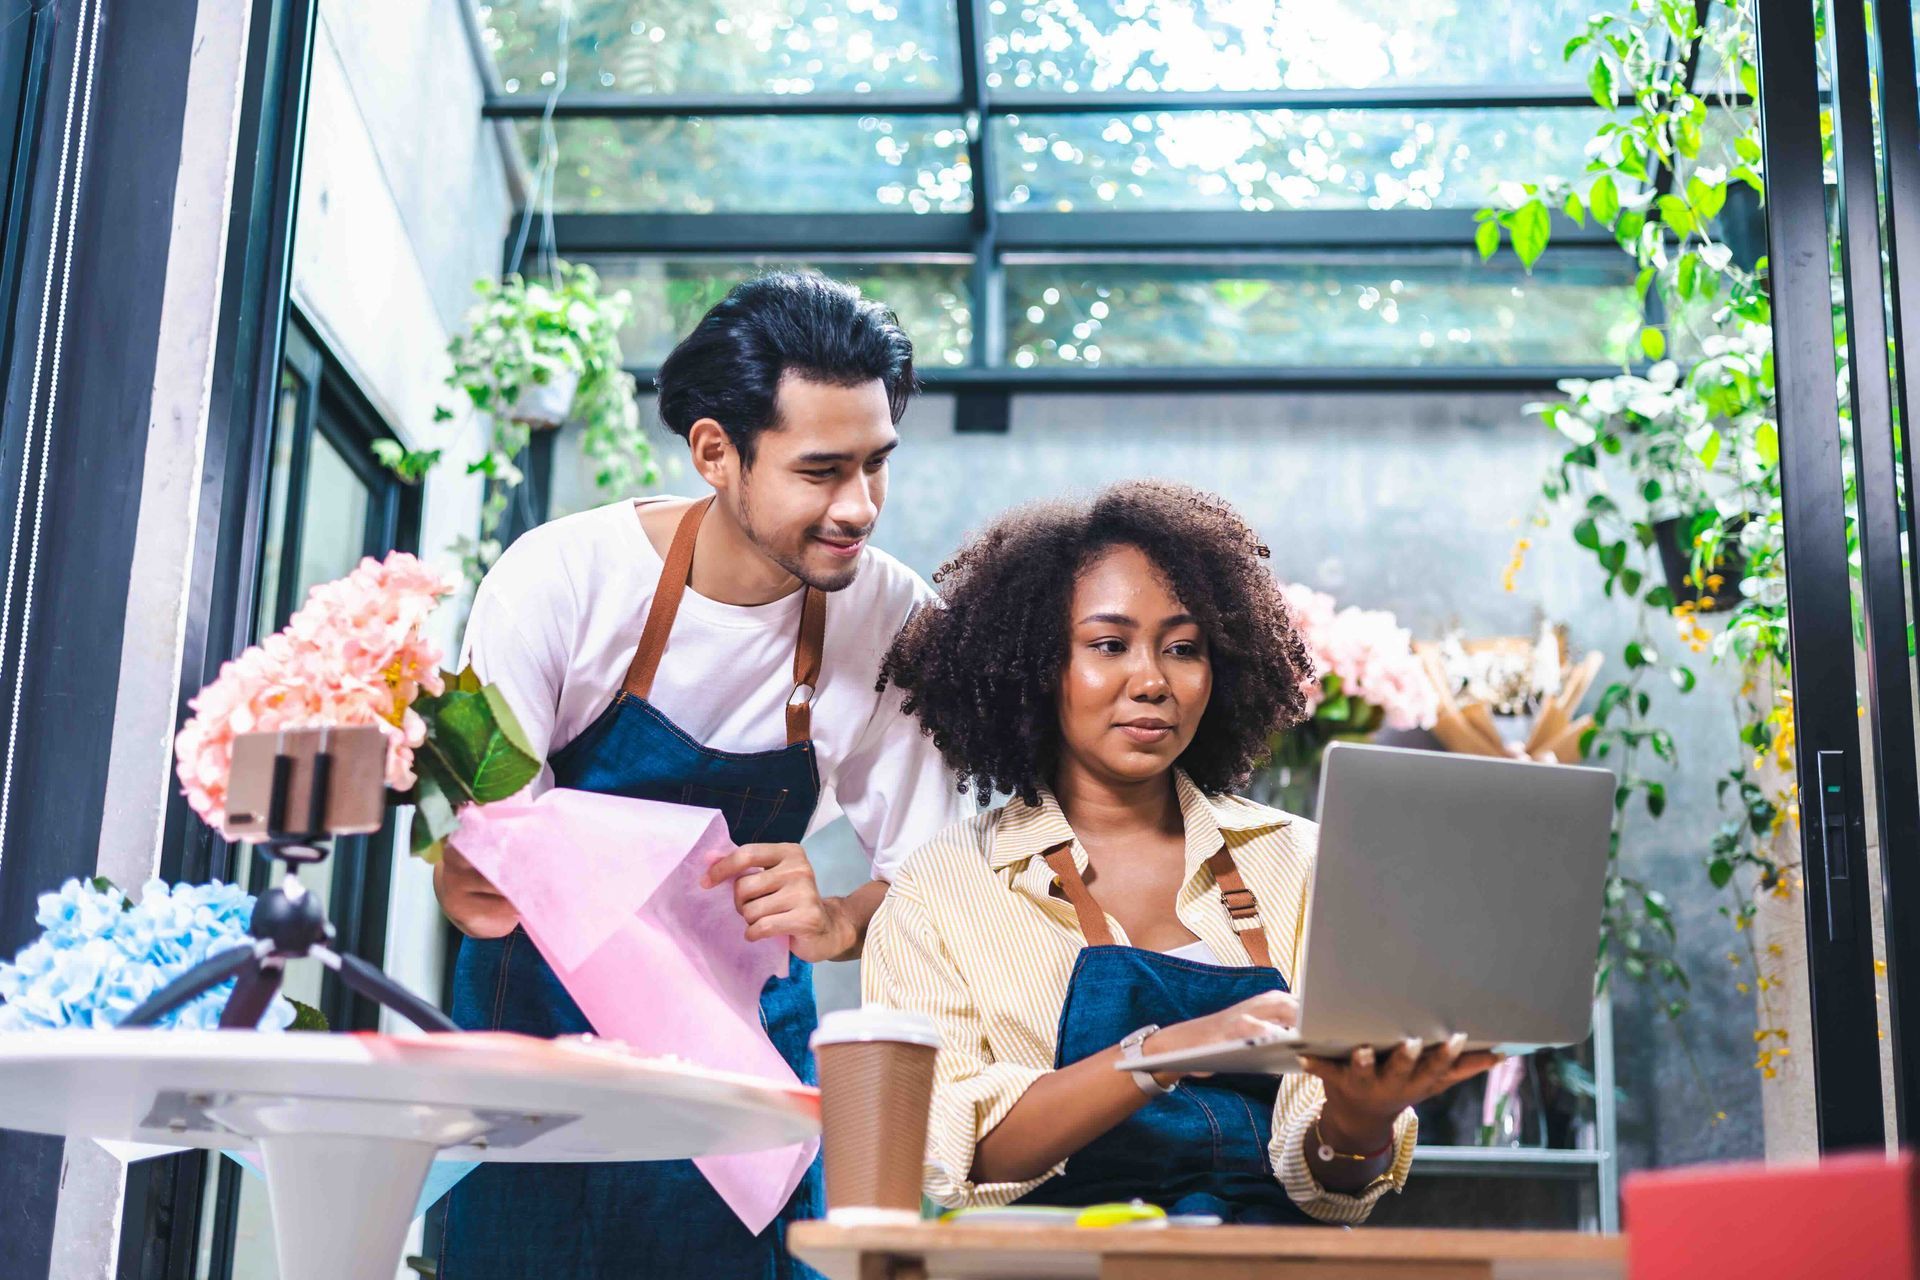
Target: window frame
column 986, row 231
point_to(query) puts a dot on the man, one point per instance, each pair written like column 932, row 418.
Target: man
column 721, row 653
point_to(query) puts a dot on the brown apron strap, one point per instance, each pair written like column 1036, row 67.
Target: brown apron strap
column 806, row 666
column 1093, row 921
column 1241, row 906
column 674, row 576
column 666, row 601
column 1233, row 891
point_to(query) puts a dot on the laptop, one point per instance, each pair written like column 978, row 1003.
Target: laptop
column 1452, row 893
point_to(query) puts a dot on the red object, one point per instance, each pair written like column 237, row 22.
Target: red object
column 1854, row 1216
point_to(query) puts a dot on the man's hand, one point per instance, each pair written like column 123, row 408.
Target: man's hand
column 476, row 908
column 775, row 893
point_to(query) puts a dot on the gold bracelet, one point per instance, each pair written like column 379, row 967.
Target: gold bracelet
column 1328, row 1155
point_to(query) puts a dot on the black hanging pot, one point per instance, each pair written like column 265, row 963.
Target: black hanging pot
column 1674, row 538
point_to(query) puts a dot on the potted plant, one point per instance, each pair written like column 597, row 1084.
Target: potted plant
column 535, row 355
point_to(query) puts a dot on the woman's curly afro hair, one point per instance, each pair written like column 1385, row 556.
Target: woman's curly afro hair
column 982, row 672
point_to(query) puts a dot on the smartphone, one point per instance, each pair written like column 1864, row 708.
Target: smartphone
column 356, row 797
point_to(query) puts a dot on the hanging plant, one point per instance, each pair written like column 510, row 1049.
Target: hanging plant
column 536, row 355
column 1672, row 475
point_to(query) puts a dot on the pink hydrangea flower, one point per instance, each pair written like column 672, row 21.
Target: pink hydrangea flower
column 1369, row 651
column 355, row 653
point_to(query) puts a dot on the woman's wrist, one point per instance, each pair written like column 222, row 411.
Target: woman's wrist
column 1354, row 1132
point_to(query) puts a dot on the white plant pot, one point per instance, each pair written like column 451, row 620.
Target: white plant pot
column 545, row 405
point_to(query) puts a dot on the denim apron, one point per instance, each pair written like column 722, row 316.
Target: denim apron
column 658, row 1218
column 1203, row 1147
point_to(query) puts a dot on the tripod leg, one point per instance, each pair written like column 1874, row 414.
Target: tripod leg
column 251, row 996
column 377, row 986
column 203, row 977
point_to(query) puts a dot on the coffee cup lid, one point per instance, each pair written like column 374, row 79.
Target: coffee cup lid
column 876, row 1022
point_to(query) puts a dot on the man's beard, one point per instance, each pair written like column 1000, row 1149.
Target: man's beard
column 793, row 562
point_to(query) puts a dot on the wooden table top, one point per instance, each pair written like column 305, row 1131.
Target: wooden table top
column 962, row 1252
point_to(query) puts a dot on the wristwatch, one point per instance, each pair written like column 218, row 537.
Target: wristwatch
column 1130, row 1051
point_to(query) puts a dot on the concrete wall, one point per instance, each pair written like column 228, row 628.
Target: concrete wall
column 1396, row 501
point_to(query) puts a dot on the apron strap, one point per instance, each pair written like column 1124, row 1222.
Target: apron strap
column 1234, row 893
column 1093, row 921
column 806, row 665
column 666, row 606
column 1241, row 906
column 666, row 601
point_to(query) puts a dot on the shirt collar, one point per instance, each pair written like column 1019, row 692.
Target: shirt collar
column 1025, row 830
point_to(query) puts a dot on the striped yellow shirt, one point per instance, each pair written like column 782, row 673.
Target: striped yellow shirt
column 972, row 935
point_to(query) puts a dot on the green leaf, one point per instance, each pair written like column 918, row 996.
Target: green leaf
column 1636, row 656
column 1705, row 444
column 1720, row 871
column 1486, row 237
column 1683, row 677
column 1600, row 82
column 1630, row 581
column 1530, row 225
column 1575, row 210
column 434, row 799
column 1604, row 198
column 1687, row 273
column 1587, row 534
column 1656, row 805
column 1660, row 597
column 1612, row 696
column 1706, row 198
column 1653, row 343
column 1750, row 79
column 1675, row 213
column 1613, row 556
column 480, row 740
column 1766, row 443
column 306, row 1017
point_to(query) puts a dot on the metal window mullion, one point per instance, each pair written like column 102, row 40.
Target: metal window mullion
column 1900, row 862
column 1846, row 1051
column 986, row 282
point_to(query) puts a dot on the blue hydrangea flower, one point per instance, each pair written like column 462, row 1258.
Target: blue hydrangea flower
column 98, row 957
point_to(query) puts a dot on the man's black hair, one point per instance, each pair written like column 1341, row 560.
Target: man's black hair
column 729, row 368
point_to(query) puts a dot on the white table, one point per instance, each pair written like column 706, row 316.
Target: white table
column 347, row 1125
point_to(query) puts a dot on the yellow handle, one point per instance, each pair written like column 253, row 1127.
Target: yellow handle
column 1118, row 1215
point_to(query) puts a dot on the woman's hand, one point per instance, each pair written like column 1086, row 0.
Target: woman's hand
column 1367, row 1092
column 1264, row 1014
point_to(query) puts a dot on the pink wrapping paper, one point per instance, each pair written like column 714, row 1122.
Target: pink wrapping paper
column 609, row 890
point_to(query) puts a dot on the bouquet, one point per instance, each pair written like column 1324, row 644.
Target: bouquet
column 100, row 956
column 357, row 653
column 1510, row 676
column 1366, row 677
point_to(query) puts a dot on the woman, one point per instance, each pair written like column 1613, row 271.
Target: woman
column 1118, row 667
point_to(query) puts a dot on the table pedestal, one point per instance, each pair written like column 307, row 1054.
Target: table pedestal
column 342, row 1206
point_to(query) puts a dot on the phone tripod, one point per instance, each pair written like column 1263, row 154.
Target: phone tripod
column 288, row 924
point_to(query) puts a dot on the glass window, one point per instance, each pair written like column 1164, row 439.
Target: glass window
column 1264, row 160
column 286, row 426
column 671, row 294
column 1147, row 45
column 727, row 46
column 1317, row 310
column 759, row 164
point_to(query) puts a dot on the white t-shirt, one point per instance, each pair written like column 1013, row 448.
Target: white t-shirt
column 558, row 618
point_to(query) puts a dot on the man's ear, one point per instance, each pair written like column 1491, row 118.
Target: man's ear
column 714, row 456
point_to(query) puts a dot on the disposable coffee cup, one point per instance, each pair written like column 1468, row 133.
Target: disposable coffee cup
column 876, row 1086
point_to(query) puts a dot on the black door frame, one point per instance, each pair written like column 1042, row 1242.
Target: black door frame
column 1828, row 756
